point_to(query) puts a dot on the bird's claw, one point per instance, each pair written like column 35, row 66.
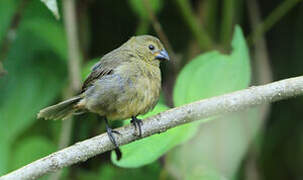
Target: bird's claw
column 137, row 123
column 111, row 136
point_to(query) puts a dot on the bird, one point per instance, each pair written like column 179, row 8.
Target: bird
column 125, row 83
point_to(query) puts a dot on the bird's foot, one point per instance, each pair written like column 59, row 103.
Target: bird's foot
column 110, row 133
column 137, row 123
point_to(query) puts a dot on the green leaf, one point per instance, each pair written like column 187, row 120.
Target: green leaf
column 209, row 75
column 139, row 8
column 51, row 32
column 52, row 6
column 24, row 93
column 212, row 74
column 31, row 149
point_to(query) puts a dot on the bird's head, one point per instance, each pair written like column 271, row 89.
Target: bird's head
column 149, row 49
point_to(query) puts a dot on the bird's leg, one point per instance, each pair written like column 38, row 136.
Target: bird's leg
column 137, row 123
column 110, row 132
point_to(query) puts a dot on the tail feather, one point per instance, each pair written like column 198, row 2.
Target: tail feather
column 61, row 110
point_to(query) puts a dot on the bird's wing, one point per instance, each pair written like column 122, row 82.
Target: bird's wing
column 104, row 67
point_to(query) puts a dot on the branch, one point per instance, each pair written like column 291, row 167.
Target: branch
column 161, row 122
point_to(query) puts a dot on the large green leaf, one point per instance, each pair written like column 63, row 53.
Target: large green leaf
column 50, row 31
column 212, row 74
column 31, row 149
column 34, row 79
column 35, row 68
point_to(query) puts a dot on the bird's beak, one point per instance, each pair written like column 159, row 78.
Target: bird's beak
column 162, row 55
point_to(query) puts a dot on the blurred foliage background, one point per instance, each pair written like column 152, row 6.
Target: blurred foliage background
column 216, row 46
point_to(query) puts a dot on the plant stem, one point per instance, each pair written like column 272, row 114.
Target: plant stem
column 210, row 10
column 227, row 21
column 272, row 19
column 142, row 27
column 203, row 39
column 75, row 57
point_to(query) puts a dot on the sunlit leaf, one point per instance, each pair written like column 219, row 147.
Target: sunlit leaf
column 208, row 75
column 212, row 74
column 51, row 32
column 26, row 94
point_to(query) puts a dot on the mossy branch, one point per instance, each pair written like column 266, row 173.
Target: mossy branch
column 161, row 122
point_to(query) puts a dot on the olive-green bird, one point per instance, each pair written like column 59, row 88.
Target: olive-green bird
column 125, row 83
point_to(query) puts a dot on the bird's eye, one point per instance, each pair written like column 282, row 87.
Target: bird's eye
column 151, row 47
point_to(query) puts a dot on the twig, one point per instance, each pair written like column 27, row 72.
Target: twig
column 73, row 67
column 161, row 122
column 272, row 19
column 203, row 39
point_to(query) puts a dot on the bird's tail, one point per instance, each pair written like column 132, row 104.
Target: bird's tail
column 61, row 110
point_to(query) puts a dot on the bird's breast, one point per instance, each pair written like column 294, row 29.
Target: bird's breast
column 140, row 93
